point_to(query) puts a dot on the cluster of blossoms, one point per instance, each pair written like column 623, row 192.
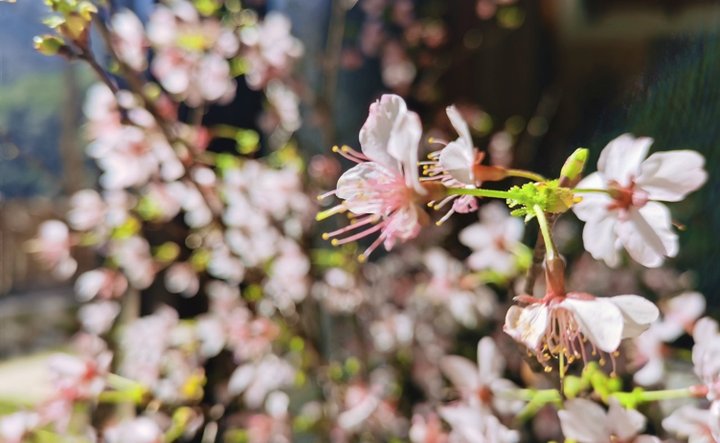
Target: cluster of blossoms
column 216, row 315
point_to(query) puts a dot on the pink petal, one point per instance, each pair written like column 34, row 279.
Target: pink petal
column 457, row 160
column 593, row 205
column 527, row 325
column 462, row 373
column 403, row 146
column 600, row 239
column 364, row 187
column 490, row 362
column 624, row 423
column 460, row 126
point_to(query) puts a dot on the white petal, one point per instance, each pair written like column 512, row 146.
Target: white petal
column 638, row 312
column 584, row 421
column 490, row 362
column 527, row 325
column 476, row 236
column 624, row 423
column 600, row 320
column 593, row 205
column 460, row 125
column 461, row 372
column 648, row 235
column 670, row 176
column 403, row 146
column 457, row 160
column 620, row 160
column 375, row 133
column 600, row 239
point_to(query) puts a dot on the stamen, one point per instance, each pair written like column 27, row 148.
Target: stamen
column 350, row 154
column 326, row 195
column 358, row 236
column 356, row 224
column 322, row 215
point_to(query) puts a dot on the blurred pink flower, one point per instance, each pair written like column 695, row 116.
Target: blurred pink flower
column 706, row 356
column 52, row 246
column 481, row 384
column 79, row 377
column 695, row 424
column 471, row 424
column 585, row 421
column 128, row 39
column 628, row 215
column 137, row 430
column 16, row 427
column 495, row 241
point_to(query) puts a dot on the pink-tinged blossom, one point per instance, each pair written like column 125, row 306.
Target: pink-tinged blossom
column 695, row 424
column 128, row 39
column 101, row 283
column 133, row 256
column 628, row 215
column 256, row 380
column 495, row 241
column 679, row 316
column 52, row 246
column 383, row 190
column 98, row 317
column 464, row 299
column 427, row 429
column 181, row 278
column 191, row 54
column 87, row 210
column 137, row 430
column 143, row 343
column 482, row 384
column 269, row 49
column 471, row 424
column 79, row 377
column 16, row 427
column 585, row 421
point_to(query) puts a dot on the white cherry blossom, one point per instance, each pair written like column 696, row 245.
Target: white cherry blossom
column 629, row 214
column 585, row 421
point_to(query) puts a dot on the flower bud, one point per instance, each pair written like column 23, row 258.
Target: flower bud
column 48, row 44
column 573, row 167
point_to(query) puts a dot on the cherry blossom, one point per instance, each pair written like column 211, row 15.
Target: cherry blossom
column 269, row 49
column 15, row 428
column 561, row 323
column 52, row 247
column 128, row 38
column 78, row 377
column 706, row 356
column 383, row 188
column 475, row 424
column 139, row 430
column 629, row 214
column 585, row 421
column 495, row 241
column 695, row 424
column 482, row 384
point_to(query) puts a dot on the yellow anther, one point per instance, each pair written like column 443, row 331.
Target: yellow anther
column 335, row 149
column 361, row 258
column 548, row 369
column 325, row 236
column 334, row 242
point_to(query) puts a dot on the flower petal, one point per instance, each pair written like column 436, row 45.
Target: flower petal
column 460, row 126
column 403, row 146
column 462, row 373
column 670, row 176
column 600, row 239
column 527, row 325
column 584, row 421
column 624, row 423
column 375, row 133
column 600, row 320
column 593, row 205
column 457, row 160
column 620, row 160
column 490, row 361
column 648, row 235
column 638, row 312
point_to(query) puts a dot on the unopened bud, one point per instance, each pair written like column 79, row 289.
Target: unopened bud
column 48, row 44
column 573, row 167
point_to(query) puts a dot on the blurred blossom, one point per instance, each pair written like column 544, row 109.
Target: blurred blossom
column 398, row 71
column 181, row 278
column 427, row 429
column 339, row 291
column 472, row 424
column 284, row 108
column 482, row 384
column 133, row 256
column 695, row 424
column 102, row 283
column 191, row 54
column 14, row 428
column 128, row 39
column 137, row 430
column 256, row 380
column 79, row 377
column 97, row 318
column 52, row 246
column 585, row 421
column 495, row 240
column 269, row 49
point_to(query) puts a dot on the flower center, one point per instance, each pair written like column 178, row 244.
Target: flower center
column 626, row 196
